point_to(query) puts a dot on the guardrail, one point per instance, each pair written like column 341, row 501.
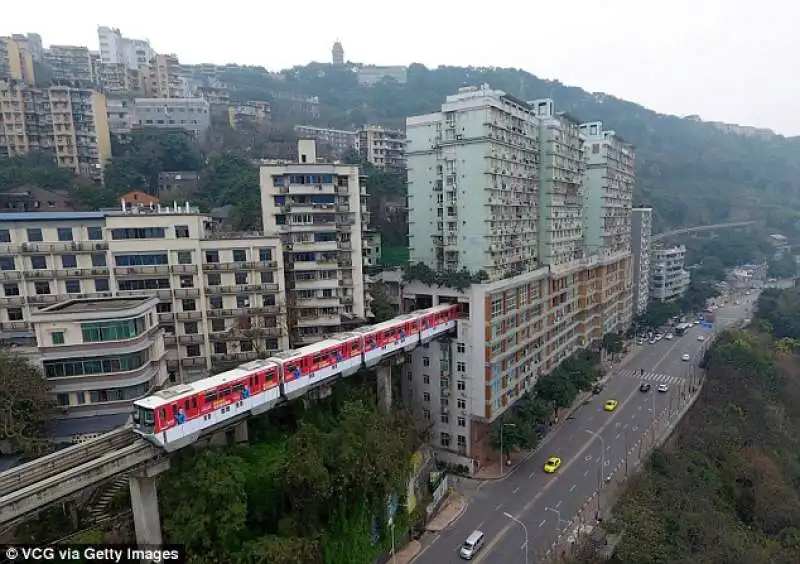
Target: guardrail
column 65, row 483
column 57, row 462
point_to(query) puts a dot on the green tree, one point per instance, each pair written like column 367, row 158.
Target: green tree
column 783, row 267
column 382, row 307
column 25, row 406
column 613, row 343
column 514, row 432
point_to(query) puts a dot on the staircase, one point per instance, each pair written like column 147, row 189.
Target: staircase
column 97, row 510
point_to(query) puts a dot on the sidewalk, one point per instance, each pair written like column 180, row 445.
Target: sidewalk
column 492, row 470
column 450, row 511
column 408, row 553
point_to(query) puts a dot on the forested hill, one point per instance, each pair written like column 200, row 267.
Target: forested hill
column 689, row 171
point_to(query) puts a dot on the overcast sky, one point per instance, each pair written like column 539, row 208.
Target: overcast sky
column 726, row 60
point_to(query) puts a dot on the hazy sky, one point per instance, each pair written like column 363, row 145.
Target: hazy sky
column 727, row 60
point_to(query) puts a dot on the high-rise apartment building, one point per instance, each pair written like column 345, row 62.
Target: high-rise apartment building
column 72, row 65
column 119, row 80
column 384, row 148
column 641, row 233
column 116, row 48
column 668, row 277
column 498, row 185
column 30, row 42
column 189, row 114
column 339, row 141
column 220, row 295
column 319, row 211
column 16, row 61
column 68, row 124
column 164, row 78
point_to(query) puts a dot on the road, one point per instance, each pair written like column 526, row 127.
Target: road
column 591, row 443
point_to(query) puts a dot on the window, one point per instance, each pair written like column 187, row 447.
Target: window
column 242, row 301
column 214, row 278
column 461, row 403
column 240, row 278
column 426, row 397
column 461, row 366
column 64, row 233
column 193, row 350
column 5, row 236
column 218, row 325
column 188, row 305
column 99, row 259
column 190, row 328
column 42, row 288
column 215, row 302
column 95, row 233
column 595, row 148
column 35, row 235
column 38, row 262
column 462, row 422
column 246, row 346
column 182, row 231
column 461, row 385
column 265, row 255
column 101, row 285
column 220, row 347
column 444, row 439
column 115, row 330
column 69, row 261
column 426, row 379
column 187, row 281
column 15, row 314
column 444, row 402
column 461, row 348
column 73, row 286
column 267, row 277
column 444, row 418
column 138, row 233
column 239, row 255
column 212, row 256
column 426, row 361
column 410, row 375
column 268, row 300
column 62, row 399
column 141, row 259
column 426, row 414
column 7, row 263
column 11, row 289
column 57, row 337
column 184, row 257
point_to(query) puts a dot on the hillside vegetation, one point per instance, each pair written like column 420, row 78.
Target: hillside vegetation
column 690, row 172
column 727, row 487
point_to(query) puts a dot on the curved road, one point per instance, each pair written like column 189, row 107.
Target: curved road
column 545, row 503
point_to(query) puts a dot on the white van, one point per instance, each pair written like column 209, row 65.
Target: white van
column 472, row 545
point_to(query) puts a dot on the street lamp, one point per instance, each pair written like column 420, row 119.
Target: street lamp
column 502, row 453
column 558, row 515
column 602, row 453
column 524, row 528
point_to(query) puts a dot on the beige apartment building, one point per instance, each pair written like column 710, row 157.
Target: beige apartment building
column 319, row 212
column 164, row 78
column 220, row 295
column 117, row 79
column 384, row 148
column 71, row 64
column 16, row 62
column 98, row 355
column 68, row 124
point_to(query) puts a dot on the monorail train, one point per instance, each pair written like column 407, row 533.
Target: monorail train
column 177, row 416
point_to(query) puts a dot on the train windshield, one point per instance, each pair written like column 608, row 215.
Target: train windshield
column 143, row 418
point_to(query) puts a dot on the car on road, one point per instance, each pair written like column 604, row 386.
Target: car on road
column 668, row 336
column 701, row 338
column 686, row 357
column 645, row 387
column 552, row 464
column 472, row 545
column 663, row 388
column 611, row 405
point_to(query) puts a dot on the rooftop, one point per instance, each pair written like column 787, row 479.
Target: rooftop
column 95, row 305
column 50, row 216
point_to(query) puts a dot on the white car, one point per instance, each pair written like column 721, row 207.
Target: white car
column 686, row 357
column 668, row 336
column 701, row 338
column 663, row 388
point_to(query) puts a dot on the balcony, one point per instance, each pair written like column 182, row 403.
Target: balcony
column 10, row 275
column 44, row 299
column 237, row 357
column 228, row 266
column 189, row 315
column 73, row 272
column 170, row 340
column 192, row 339
column 166, row 317
column 183, row 268
column 41, row 274
column 193, row 362
column 11, row 301
column 123, row 270
column 181, row 293
column 262, row 265
column 15, row 326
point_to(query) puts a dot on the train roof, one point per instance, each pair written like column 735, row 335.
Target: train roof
column 390, row 323
column 181, row 391
column 313, row 348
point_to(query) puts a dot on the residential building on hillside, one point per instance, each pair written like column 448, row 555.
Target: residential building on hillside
column 340, row 141
column 383, row 148
column 176, row 184
column 68, row 124
column 668, row 277
column 71, row 65
column 641, row 233
column 119, row 80
column 98, row 356
column 253, row 112
column 372, row 247
column 30, row 42
column 319, row 211
column 371, row 74
column 189, row 114
column 116, row 48
column 496, row 185
column 220, row 295
column 16, row 62
column 121, row 115
column 164, row 78
column 33, row 198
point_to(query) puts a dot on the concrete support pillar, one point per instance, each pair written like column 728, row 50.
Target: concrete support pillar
column 240, row 433
column 144, row 503
column 384, row 373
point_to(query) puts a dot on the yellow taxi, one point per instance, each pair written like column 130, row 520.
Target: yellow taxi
column 611, row 405
column 552, row 464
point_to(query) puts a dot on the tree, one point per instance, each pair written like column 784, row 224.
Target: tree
column 514, row 432
column 25, row 406
column 613, row 343
column 381, row 306
column 783, row 267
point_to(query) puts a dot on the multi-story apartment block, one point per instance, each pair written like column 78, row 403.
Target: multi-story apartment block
column 340, row 141
column 119, row 80
column 220, row 295
column 116, row 48
column 562, row 179
column 253, row 112
column 99, row 355
column 369, row 75
column 16, row 62
column 668, row 277
column 30, row 42
column 190, row 114
column 641, row 233
column 497, row 184
column 69, row 124
column 164, row 78
column 372, row 247
column 609, row 188
column 319, row 210
column 72, row 65
column 121, row 115
column 474, row 184
column 384, row 148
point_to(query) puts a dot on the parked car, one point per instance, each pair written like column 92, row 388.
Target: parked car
column 645, row 387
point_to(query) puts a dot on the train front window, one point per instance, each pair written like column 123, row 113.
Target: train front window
column 143, row 418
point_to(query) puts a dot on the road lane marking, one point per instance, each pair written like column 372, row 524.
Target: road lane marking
column 532, row 474
column 542, row 523
column 617, row 437
column 585, row 473
column 480, row 525
column 558, row 504
column 504, row 531
column 515, row 490
column 498, row 507
column 572, row 489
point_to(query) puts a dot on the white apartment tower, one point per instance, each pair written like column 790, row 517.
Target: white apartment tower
column 473, row 187
column 118, row 49
column 641, row 233
column 668, row 278
column 319, row 211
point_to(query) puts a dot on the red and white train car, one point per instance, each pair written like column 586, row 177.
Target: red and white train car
column 178, row 416
column 436, row 320
column 387, row 338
